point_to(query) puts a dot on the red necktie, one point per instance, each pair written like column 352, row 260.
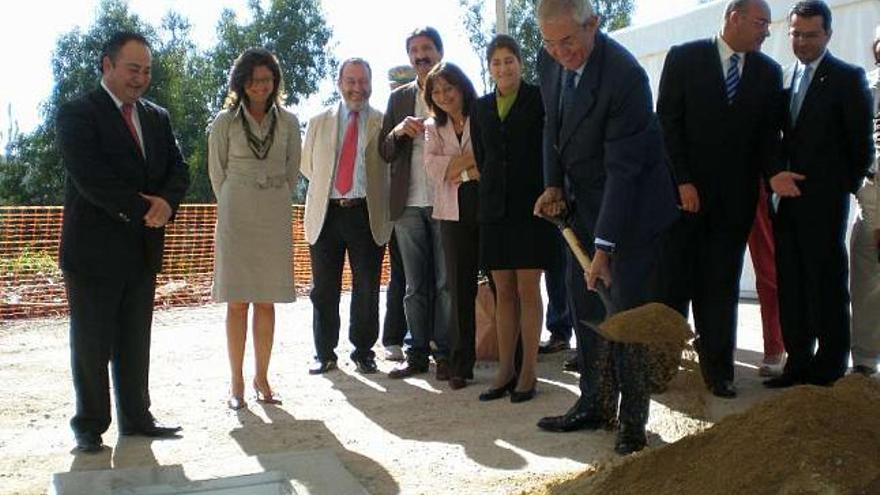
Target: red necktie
column 345, row 171
column 126, row 113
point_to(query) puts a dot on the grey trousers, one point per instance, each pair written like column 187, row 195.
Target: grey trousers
column 865, row 290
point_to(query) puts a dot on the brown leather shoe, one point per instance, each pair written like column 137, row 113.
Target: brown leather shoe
column 442, row 371
column 457, row 382
column 407, row 369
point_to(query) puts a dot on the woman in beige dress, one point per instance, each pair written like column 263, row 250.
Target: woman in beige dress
column 253, row 162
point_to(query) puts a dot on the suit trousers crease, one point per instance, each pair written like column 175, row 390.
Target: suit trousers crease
column 613, row 375
column 345, row 230
column 865, row 288
column 813, row 273
column 701, row 264
column 461, row 248
column 394, row 327
column 110, row 322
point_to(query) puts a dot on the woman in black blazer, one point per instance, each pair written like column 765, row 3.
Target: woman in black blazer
column 513, row 242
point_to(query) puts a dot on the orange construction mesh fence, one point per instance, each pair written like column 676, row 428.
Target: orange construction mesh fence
column 31, row 284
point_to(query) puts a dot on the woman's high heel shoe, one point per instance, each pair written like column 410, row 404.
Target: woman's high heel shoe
column 497, row 393
column 236, row 403
column 263, row 398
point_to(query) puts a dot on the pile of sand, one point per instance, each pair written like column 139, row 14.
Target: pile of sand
column 662, row 329
column 808, row 440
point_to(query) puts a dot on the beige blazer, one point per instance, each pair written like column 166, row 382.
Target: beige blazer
column 318, row 161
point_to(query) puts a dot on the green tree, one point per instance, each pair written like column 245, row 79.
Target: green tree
column 295, row 31
column 523, row 26
column 189, row 82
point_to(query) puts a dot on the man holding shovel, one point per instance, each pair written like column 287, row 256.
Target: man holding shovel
column 604, row 166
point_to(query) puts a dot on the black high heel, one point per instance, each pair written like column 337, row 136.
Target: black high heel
column 517, row 396
column 497, row 393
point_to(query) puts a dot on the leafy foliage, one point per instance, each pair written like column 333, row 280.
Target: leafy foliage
column 190, row 83
column 523, row 26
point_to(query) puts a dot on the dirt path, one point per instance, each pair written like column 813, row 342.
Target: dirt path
column 413, row 436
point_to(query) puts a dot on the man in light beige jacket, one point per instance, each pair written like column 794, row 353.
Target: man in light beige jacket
column 346, row 211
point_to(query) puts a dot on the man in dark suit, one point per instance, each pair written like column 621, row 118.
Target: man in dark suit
column 716, row 105
column 828, row 151
column 125, row 179
column 427, row 301
column 604, row 159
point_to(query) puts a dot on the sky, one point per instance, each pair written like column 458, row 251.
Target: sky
column 360, row 28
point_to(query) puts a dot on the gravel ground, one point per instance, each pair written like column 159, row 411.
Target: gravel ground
column 412, row 436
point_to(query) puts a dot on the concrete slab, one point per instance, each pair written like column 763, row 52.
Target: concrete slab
column 315, row 472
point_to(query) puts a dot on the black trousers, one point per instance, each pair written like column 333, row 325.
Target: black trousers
column 558, row 313
column 614, row 380
column 110, row 322
column 461, row 243
column 812, row 271
column 345, row 230
column 701, row 263
column 394, row 327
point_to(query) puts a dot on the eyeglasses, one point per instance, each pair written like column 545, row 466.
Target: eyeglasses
column 808, row 36
column 569, row 42
column 262, row 80
column 760, row 23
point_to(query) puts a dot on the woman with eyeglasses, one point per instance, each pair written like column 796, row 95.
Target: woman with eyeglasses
column 253, row 162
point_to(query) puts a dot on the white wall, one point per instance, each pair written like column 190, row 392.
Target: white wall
column 853, row 25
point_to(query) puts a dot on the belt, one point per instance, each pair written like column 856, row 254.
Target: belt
column 348, row 202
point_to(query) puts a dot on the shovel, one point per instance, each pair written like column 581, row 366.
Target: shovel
column 649, row 323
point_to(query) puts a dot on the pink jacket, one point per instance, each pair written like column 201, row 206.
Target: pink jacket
column 441, row 145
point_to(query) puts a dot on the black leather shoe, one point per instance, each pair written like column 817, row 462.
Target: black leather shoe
column 407, row 369
column 571, row 363
column 571, row 421
column 724, row 389
column 864, row 370
column 628, row 442
column 517, row 397
column 319, row 367
column 497, row 393
column 366, row 365
column 89, row 443
column 152, row 430
column 552, row 346
column 784, row 380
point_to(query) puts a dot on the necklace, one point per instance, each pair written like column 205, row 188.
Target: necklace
column 260, row 147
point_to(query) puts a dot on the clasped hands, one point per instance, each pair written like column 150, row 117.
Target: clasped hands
column 159, row 212
column 551, row 204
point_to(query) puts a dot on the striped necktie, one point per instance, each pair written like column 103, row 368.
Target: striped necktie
column 732, row 79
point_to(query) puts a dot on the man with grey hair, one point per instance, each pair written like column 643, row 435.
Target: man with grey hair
column 717, row 104
column 346, row 210
column 865, row 249
column 604, row 166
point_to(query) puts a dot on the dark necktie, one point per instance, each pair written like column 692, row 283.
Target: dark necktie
column 732, row 80
column 126, row 114
column 345, row 170
column 568, row 92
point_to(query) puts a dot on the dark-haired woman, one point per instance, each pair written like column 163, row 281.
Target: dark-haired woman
column 450, row 164
column 253, row 161
column 513, row 242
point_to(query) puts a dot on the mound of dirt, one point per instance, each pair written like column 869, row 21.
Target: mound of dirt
column 807, row 441
column 662, row 329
